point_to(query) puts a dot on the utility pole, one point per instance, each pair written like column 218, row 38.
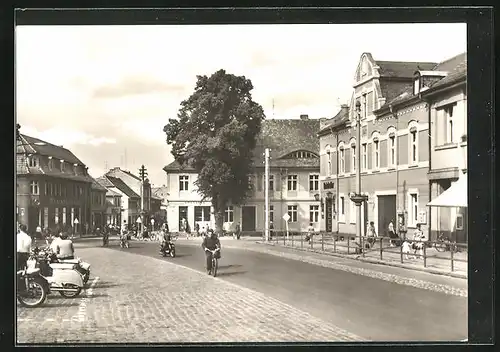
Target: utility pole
column 266, row 192
column 357, row 197
column 143, row 173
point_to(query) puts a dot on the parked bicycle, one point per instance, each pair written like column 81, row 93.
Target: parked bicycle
column 443, row 243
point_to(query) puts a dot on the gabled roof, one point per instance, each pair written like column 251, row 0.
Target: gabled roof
column 38, row 146
column 111, row 193
column 97, row 186
column 282, row 136
column 401, row 69
column 117, row 169
column 118, row 183
column 104, row 182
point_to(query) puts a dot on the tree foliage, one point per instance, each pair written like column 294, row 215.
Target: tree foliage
column 215, row 133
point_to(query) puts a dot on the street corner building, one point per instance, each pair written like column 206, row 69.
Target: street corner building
column 413, row 147
column 54, row 189
column 293, row 183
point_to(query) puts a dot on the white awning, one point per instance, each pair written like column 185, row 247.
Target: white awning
column 455, row 196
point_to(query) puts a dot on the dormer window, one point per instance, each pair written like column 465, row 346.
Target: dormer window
column 62, row 166
column 51, row 163
column 33, row 161
column 416, row 84
column 75, row 169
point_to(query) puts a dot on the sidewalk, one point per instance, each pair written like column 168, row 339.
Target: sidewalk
column 436, row 262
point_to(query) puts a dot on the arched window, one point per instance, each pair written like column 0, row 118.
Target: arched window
column 328, row 150
column 392, row 145
column 341, row 149
column 376, row 150
column 413, row 143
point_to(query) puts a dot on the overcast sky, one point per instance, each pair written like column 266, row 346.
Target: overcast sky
column 105, row 92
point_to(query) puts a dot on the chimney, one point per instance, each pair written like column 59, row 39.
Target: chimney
column 304, row 117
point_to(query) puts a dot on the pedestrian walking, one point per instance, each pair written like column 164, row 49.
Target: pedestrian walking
column 372, row 234
column 392, row 234
column 310, row 232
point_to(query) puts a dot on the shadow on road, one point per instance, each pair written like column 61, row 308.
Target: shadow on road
column 104, row 284
column 231, row 273
column 230, row 266
column 182, row 255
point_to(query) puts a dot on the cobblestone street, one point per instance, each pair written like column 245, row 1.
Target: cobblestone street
column 140, row 299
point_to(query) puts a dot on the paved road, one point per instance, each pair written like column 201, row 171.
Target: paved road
column 369, row 307
column 137, row 299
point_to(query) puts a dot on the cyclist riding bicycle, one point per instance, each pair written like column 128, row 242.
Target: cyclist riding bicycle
column 210, row 243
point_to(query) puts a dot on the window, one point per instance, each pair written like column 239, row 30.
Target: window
column 460, row 222
column 34, row 188
column 392, row 150
column 45, row 217
column 202, row 213
column 413, row 209
column 62, row 166
column 183, row 183
column 352, row 212
column 365, row 157
column 56, row 216
column 33, row 161
column 313, row 182
column 342, row 160
column 75, row 169
column 51, row 163
column 376, row 154
column 64, row 216
column 271, row 182
column 342, row 209
column 449, row 123
column 353, row 149
column 314, row 213
column 271, row 212
column 229, row 214
column 329, row 158
column 292, row 213
column 365, row 105
column 413, row 146
column 292, row 182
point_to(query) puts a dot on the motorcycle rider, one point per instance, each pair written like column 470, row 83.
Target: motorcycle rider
column 210, row 243
column 166, row 240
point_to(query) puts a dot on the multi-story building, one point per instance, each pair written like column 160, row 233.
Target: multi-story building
column 134, row 183
column 130, row 201
column 53, row 186
column 293, row 185
column 98, row 205
column 113, row 207
column 394, row 150
column 447, row 99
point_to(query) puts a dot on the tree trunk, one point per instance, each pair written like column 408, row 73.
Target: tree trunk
column 219, row 216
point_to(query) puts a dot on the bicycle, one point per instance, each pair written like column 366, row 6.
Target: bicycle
column 215, row 262
column 443, row 243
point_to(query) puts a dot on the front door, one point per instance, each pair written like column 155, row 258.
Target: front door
column 329, row 214
column 386, row 213
column 183, row 214
column 248, row 218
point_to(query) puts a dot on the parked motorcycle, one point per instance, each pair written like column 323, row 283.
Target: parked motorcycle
column 167, row 249
column 61, row 277
column 32, row 288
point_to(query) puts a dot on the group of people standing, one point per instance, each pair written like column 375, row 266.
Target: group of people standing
column 59, row 243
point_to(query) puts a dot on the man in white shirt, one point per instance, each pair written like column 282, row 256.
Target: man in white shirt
column 23, row 247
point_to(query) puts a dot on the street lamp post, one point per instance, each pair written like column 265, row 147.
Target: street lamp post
column 357, row 197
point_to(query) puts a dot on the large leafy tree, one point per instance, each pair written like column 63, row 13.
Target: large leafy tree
column 215, row 133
